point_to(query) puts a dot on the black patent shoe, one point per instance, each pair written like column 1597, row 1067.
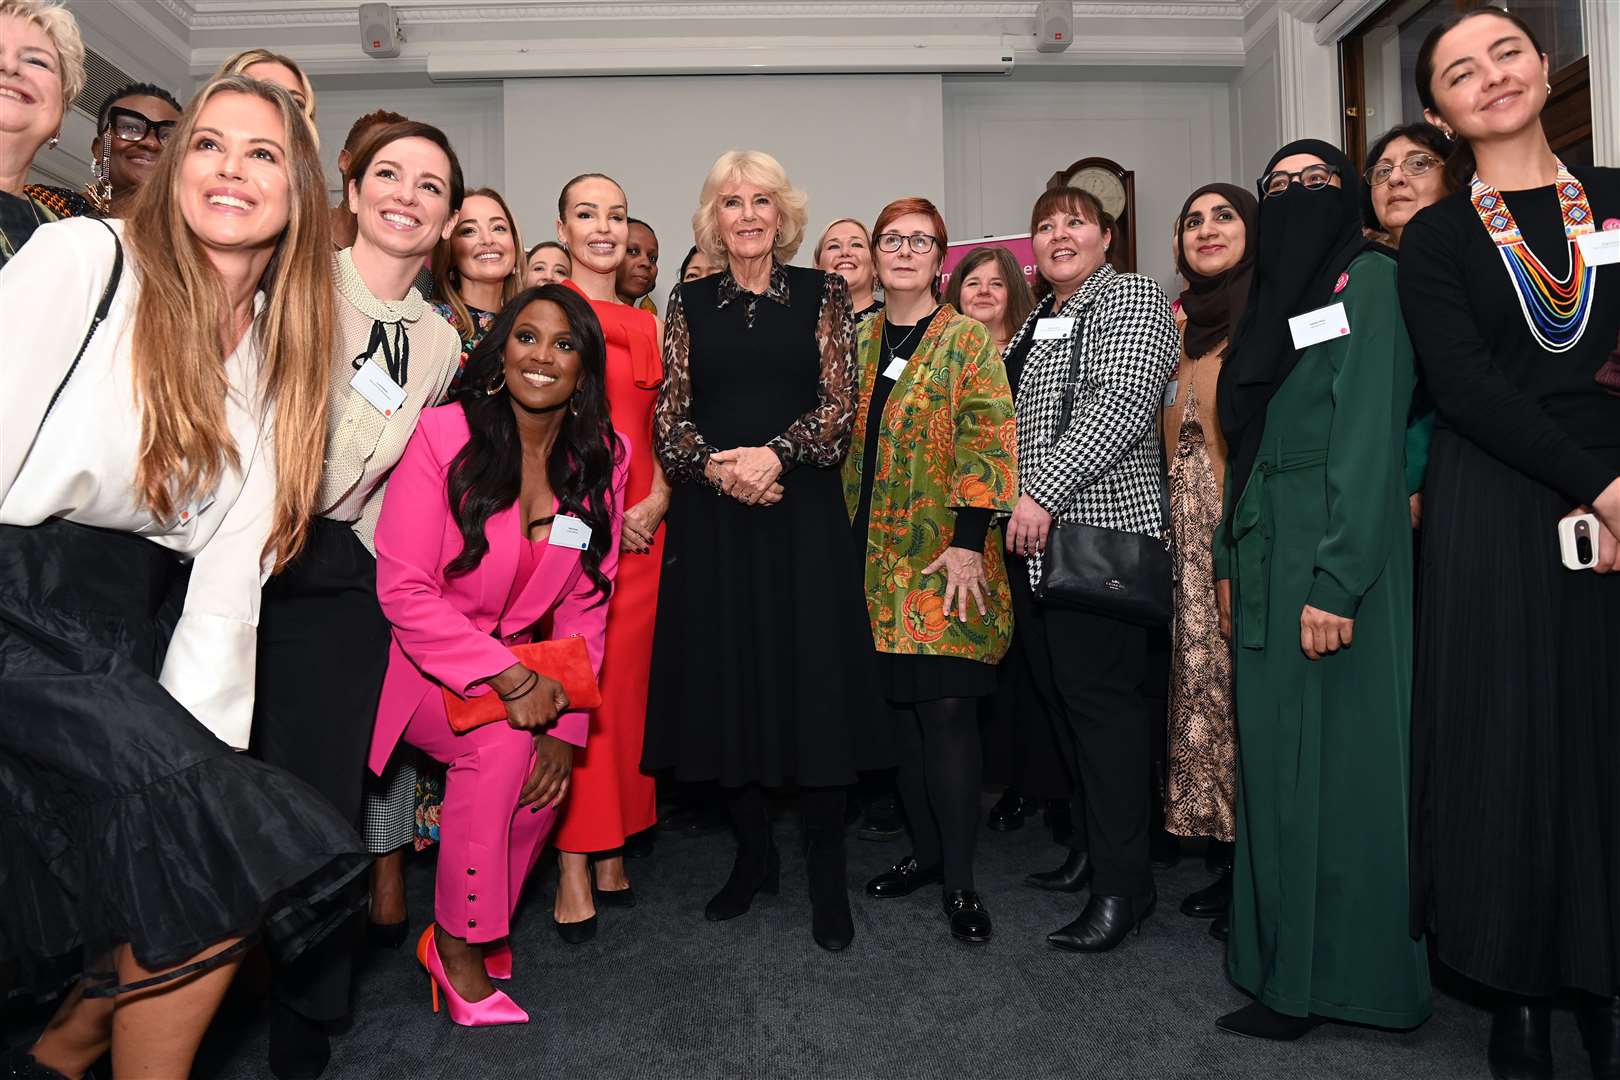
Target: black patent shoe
column 1220, row 927
column 881, row 820
column 1257, row 1021
column 1521, row 1041
column 1010, row 810
column 969, row 921
column 387, row 935
column 1072, row 876
column 1104, row 923
column 1600, row 1031
column 299, row 1047
column 903, row 878
column 737, row 895
column 1210, row 901
column 21, row 1065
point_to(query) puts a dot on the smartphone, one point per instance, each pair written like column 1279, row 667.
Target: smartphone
column 1578, row 541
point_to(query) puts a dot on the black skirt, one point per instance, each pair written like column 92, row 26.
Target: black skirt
column 125, row 820
column 1516, row 736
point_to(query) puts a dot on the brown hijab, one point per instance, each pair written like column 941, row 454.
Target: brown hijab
column 1215, row 303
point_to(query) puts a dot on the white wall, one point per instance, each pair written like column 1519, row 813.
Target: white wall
column 852, row 142
column 1257, row 109
column 470, row 115
column 1003, row 140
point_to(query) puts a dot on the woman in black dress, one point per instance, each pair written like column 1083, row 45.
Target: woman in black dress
column 1516, row 753
column 760, row 656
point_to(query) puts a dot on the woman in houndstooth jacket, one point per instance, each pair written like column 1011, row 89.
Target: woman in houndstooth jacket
column 1102, row 469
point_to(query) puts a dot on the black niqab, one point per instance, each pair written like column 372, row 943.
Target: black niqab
column 1306, row 240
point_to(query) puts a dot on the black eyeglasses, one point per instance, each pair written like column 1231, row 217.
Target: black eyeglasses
column 1313, row 177
column 1413, row 164
column 131, row 126
column 921, row 243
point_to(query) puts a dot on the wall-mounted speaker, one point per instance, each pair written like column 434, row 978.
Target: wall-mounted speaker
column 379, row 30
column 1054, row 25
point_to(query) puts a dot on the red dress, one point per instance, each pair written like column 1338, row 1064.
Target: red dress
column 610, row 797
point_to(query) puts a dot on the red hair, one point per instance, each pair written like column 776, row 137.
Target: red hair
column 913, row 204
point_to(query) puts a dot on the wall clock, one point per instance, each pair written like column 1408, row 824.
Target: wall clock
column 1114, row 187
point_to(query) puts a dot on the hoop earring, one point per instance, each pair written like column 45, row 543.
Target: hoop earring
column 493, row 390
column 573, row 405
column 1549, row 88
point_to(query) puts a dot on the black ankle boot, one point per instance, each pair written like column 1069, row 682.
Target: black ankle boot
column 1600, row 1031
column 748, row 877
column 299, row 1048
column 1072, row 876
column 1521, row 1040
column 830, row 921
column 1257, row 1021
column 1211, row 900
column 1104, row 923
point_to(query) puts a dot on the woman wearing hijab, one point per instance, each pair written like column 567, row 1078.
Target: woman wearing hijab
column 1215, row 253
column 1312, row 553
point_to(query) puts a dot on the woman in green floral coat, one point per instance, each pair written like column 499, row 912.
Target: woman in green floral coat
column 931, row 463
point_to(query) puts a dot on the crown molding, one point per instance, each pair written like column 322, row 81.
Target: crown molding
column 143, row 16
column 252, row 14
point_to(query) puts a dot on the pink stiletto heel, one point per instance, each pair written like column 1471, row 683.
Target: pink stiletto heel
column 493, row 1010
column 498, row 960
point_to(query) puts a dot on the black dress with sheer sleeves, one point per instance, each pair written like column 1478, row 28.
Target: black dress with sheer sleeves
column 762, row 668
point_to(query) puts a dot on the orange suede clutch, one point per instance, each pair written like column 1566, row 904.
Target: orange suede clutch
column 564, row 659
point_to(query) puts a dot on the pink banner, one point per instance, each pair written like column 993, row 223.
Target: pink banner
column 1019, row 246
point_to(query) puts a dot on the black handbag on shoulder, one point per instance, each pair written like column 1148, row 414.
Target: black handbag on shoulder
column 1123, row 575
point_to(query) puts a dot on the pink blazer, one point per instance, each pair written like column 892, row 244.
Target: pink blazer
column 451, row 631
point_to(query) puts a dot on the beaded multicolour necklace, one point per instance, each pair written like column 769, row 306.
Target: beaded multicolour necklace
column 1555, row 309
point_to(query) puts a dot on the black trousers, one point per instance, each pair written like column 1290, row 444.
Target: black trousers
column 1092, row 668
column 1020, row 746
column 323, row 650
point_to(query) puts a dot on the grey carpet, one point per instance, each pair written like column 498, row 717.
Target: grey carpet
column 662, row 993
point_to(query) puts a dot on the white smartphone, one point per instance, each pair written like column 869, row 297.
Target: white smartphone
column 1578, row 541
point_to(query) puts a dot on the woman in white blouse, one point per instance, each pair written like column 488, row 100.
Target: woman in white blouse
column 323, row 639
column 142, row 849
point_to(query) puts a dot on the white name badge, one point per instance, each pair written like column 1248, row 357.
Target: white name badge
column 1054, row 328
column 1600, row 248
column 1170, row 389
column 896, row 368
column 384, row 394
column 1323, row 324
column 569, row 532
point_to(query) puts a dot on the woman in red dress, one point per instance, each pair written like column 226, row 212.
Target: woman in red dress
column 611, row 797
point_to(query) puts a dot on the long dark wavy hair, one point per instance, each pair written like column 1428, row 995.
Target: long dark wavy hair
column 487, row 475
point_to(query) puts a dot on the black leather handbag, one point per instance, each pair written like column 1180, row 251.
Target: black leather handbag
column 1123, row 575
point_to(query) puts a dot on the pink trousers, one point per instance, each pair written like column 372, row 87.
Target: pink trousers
column 487, row 842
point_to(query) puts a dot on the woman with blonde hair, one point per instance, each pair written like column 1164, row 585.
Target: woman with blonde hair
column 279, row 69
column 42, row 61
column 144, row 850
column 752, row 421
column 845, row 248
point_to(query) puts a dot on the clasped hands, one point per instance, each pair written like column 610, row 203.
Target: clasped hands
column 748, row 474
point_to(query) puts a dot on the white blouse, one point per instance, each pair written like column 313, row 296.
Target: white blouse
column 81, row 466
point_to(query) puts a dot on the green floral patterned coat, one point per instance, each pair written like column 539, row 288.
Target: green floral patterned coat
column 947, row 440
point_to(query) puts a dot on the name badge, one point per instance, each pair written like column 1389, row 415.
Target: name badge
column 384, row 394
column 1170, row 389
column 896, row 368
column 1323, row 324
column 569, row 532
column 1600, row 248
column 1054, row 328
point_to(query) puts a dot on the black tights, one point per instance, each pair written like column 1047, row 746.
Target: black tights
column 940, row 771
column 820, row 809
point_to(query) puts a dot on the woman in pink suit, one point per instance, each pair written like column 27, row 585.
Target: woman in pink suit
column 505, row 511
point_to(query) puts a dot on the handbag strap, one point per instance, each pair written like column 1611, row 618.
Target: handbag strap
column 101, row 314
column 1071, row 387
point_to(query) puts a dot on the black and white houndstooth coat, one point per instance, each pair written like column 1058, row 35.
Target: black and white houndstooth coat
column 1105, row 469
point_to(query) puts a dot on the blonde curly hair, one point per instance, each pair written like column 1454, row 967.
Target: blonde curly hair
column 62, row 28
column 754, row 167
